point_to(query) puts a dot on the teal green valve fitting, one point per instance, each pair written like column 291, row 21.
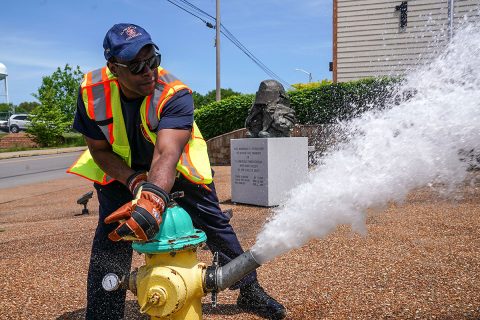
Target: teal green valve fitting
column 176, row 233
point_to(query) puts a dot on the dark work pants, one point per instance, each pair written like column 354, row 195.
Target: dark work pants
column 116, row 257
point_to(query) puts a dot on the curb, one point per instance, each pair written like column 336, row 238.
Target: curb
column 30, row 153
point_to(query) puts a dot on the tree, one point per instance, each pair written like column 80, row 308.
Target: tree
column 197, row 99
column 202, row 100
column 6, row 107
column 5, row 110
column 54, row 115
column 26, row 107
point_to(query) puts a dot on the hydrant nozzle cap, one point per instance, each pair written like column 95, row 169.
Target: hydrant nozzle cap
column 157, row 297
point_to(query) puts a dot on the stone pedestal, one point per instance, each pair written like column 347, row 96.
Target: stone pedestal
column 264, row 170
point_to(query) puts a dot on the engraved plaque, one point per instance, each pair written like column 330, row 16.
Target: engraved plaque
column 264, row 170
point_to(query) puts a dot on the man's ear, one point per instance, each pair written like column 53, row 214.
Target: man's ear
column 112, row 67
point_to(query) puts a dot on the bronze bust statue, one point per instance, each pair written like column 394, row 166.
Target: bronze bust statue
column 270, row 115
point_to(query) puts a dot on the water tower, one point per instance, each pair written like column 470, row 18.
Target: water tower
column 3, row 77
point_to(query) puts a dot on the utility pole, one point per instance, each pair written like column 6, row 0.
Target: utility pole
column 217, row 47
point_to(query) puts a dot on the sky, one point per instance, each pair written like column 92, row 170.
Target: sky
column 40, row 35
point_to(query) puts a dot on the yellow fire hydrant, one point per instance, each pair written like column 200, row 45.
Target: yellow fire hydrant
column 169, row 286
column 172, row 282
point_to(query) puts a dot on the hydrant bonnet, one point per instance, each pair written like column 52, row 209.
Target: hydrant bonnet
column 176, row 233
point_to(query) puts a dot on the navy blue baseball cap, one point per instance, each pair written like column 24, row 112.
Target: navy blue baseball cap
column 125, row 40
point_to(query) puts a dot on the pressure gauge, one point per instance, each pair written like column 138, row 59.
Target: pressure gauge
column 110, row 282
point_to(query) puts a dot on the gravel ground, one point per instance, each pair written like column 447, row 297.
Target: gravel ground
column 419, row 259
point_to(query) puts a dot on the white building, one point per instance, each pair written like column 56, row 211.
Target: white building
column 385, row 37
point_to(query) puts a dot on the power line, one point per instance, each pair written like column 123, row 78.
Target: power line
column 198, row 9
column 189, row 12
column 249, row 54
column 188, row 7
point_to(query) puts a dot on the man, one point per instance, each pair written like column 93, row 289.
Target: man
column 137, row 120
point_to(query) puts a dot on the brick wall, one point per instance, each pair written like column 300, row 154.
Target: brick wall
column 17, row 140
column 319, row 138
column 219, row 147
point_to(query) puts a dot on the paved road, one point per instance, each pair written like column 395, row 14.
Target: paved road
column 24, row 170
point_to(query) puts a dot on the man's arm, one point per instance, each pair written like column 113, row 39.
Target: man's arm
column 109, row 161
column 168, row 149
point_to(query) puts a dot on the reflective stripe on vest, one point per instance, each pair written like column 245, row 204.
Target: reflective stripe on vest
column 101, row 96
column 168, row 85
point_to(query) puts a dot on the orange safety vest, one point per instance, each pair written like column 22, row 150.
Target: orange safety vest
column 101, row 96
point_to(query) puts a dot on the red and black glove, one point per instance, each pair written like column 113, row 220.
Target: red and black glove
column 141, row 218
column 136, row 180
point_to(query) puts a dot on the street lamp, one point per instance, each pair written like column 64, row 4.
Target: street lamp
column 304, row 71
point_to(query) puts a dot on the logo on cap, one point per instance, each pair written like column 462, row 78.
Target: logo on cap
column 130, row 32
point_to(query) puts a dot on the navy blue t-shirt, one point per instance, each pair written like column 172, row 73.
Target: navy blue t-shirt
column 176, row 114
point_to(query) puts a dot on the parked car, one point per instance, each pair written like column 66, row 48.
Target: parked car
column 18, row 122
column 4, row 125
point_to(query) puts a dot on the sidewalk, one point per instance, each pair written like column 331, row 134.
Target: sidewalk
column 39, row 152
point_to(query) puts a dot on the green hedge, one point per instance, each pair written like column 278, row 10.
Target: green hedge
column 329, row 103
column 325, row 103
column 223, row 116
column 73, row 139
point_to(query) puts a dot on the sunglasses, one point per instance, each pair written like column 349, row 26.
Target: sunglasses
column 138, row 66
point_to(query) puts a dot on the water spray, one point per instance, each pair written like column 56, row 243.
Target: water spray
column 413, row 143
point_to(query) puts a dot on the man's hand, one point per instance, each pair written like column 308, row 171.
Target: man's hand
column 141, row 218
